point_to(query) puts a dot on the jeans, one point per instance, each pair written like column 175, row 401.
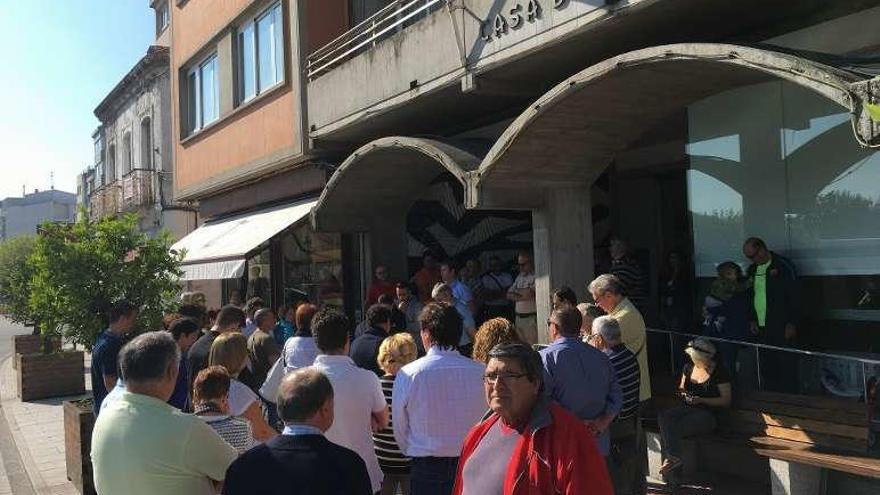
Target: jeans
column 392, row 482
column 680, row 422
column 433, row 475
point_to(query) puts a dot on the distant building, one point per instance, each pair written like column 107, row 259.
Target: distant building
column 21, row 216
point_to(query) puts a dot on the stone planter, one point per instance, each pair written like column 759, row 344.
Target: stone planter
column 78, row 422
column 58, row 374
column 25, row 344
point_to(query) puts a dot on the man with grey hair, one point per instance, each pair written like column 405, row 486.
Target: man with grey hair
column 608, row 293
column 142, row 445
column 624, row 463
column 301, row 460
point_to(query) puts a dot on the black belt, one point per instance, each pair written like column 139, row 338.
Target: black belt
column 526, row 315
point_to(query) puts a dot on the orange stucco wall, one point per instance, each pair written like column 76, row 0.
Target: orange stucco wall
column 238, row 139
column 251, row 134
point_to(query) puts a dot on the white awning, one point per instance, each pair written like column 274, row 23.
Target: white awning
column 218, row 248
column 213, row 270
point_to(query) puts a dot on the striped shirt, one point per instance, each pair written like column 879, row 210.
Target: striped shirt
column 626, row 366
column 632, row 277
column 391, row 459
column 235, row 431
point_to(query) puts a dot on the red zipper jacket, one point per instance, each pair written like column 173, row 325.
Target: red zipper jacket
column 556, row 455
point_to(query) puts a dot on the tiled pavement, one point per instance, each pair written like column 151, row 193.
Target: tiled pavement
column 37, row 429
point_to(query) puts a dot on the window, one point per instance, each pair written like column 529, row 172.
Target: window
column 126, row 153
column 260, row 53
column 163, row 17
column 777, row 161
column 203, row 103
column 111, row 164
column 146, row 144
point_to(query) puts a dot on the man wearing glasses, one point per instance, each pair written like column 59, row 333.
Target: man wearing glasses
column 522, row 293
column 527, row 443
column 775, row 302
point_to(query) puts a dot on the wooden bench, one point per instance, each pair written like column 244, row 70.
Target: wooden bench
column 803, row 438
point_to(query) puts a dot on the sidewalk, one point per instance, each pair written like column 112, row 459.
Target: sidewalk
column 37, row 429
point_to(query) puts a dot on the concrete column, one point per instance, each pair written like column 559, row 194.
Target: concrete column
column 790, row 478
column 388, row 245
column 563, row 246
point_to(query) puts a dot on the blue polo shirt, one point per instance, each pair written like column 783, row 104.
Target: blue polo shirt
column 105, row 356
column 581, row 379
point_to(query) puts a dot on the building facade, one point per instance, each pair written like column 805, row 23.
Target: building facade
column 134, row 167
column 22, row 216
column 548, row 124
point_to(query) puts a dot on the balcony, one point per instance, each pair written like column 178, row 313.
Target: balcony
column 105, row 201
column 137, row 190
column 429, row 66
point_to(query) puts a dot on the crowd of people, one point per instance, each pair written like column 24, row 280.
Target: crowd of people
column 439, row 390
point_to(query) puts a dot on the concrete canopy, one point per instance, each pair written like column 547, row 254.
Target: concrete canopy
column 572, row 133
column 383, row 178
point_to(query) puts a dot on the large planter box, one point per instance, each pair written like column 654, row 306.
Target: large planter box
column 78, row 422
column 58, row 374
column 25, row 344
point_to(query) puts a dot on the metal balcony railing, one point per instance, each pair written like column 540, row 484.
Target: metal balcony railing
column 390, row 19
column 137, row 189
column 105, row 201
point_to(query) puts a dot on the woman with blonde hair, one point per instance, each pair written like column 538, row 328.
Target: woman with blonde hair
column 491, row 333
column 395, row 352
column 705, row 388
column 230, row 351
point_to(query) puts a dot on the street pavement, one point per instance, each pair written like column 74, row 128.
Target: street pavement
column 31, row 433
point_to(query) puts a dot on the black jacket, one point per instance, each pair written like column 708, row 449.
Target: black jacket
column 365, row 350
column 783, row 297
column 298, row 465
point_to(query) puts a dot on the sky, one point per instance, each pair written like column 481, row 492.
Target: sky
column 61, row 58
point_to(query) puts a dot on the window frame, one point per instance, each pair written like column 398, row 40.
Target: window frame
column 195, row 115
column 251, row 27
column 163, row 17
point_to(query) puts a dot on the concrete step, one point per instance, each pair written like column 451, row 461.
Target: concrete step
column 706, row 483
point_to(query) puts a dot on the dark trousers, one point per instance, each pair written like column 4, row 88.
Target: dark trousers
column 779, row 369
column 625, row 464
column 433, row 475
column 681, row 422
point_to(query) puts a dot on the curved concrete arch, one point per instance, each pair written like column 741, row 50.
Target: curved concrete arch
column 383, row 178
column 571, row 134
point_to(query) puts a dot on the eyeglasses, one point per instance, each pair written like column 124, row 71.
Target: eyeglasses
column 591, row 337
column 492, row 378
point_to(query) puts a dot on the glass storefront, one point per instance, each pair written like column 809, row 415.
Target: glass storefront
column 779, row 162
column 311, row 267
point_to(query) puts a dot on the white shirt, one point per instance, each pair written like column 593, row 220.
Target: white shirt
column 240, row 397
column 114, row 394
column 299, row 352
column 357, row 394
column 524, row 281
column 437, row 400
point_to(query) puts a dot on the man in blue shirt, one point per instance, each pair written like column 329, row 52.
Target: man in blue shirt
column 580, row 377
column 121, row 316
column 185, row 332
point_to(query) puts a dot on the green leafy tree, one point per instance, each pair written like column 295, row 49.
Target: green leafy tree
column 15, row 278
column 81, row 269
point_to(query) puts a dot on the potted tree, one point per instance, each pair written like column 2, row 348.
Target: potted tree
column 15, row 277
column 79, row 271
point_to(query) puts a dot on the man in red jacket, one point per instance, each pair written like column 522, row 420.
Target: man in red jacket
column 527, row 445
